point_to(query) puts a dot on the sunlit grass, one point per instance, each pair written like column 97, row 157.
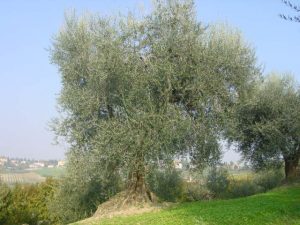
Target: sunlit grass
column 280, row 206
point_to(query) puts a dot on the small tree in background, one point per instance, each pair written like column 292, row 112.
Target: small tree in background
column 268, row 125
column 218, row 181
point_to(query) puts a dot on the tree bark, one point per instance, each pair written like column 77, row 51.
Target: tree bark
column 290, row 167
column 137, row 188
column 136, row 195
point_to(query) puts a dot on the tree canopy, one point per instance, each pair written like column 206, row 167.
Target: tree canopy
column 268, row 125
column 140, row 91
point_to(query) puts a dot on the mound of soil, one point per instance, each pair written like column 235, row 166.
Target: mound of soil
column 128, row 203
column 134, row 200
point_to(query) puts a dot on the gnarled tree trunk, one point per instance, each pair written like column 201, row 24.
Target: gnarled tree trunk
column 135, row 196
column 137, row 190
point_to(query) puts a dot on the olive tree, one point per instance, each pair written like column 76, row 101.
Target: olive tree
column 138, row 92
column 268, row 125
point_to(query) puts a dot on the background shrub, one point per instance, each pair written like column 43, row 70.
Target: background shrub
column 269, row 179
column 217, row 181
column 84, row 187
column 27, row 204
column 243, row 188
column 77, row 199
column 5, row 201
column 166, row 184
column 259, row 182
column 196, row 192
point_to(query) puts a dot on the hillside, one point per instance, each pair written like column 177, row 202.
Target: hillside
column 280, row 206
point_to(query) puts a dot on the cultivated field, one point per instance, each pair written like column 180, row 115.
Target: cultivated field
column 28, row 177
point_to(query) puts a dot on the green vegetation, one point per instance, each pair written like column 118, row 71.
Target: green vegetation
column 51, row 172
column 138, row 92
column 79, row 197
column 48, row 202
column 27, row 203
column 222, row 185
column 267, row 127
column 166, row 184
column 280, row 206
column 218, row 181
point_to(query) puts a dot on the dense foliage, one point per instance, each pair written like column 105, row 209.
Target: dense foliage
column 166, row 184
column 27, row 204
column 80, row 191
column 138, row 92
column 218, row 181
column 50, row 203
column 268, row 125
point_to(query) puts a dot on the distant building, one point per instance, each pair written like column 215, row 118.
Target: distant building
column 15, row 162
column 50, row 166
column 61, row 163
column 37, row 165
column 3, row 160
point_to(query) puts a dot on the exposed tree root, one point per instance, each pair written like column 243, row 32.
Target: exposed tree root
column 128, row 202
column 136, row 199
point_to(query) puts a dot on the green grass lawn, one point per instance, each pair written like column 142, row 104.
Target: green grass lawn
column 280, row 206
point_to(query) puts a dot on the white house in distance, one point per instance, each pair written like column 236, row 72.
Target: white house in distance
column 61, row 163
column 3, row 160
column 15, row 162
column 37, row 165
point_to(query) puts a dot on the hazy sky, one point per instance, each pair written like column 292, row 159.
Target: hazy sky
column 30, row 84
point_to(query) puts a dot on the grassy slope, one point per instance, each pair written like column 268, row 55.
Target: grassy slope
column 280, row 206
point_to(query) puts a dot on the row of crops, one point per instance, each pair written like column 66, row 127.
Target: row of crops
column 13, row 178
